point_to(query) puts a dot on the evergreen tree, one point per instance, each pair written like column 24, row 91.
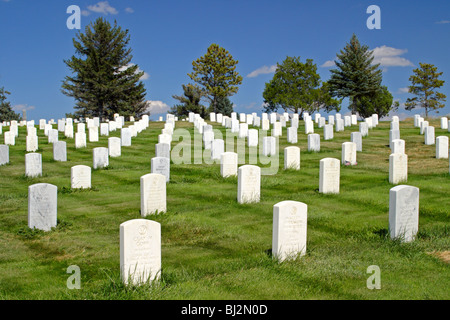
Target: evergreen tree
column 104, row 81
column 6, row 112
column 190, row 102
column 216, row 73
column 223, row 106
column 381, row 104
column 355, row 77
column 296, row 86
column 424, row 84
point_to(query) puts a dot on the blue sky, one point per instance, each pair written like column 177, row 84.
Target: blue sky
column 166, row 36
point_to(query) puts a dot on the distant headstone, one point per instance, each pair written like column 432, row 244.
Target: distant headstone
column 60, row 151
column 33, row 165
column 52, row 136
column 162, row 150
column 442, row 147
column 269, row 146
column 444, row 123
column 243, row 130
column 217, row 148
column 329, row 175
column 292, row 158
column 356, row 137
column 403, row 213
column 398, row 146
column 140, row 251
column 252, row 139
column 314, row 142
column 423, row 126
column 339, row 125
column 289, row 230
column 228, row 164
column 104, row 129
column 328, row 132
column 395, row 125
column 80, row 140
column 32, row 143
column 125, row 136
column 292, row 135
column 100, row 157
column 4, row 154
column 249, row 184
column 331, row 120
column 309, row 126
column 161, row 165
column 114, row 147
column 153, row 194
column 42, row 206
column 393, row 135
column 80, row 177
column 348, row 153
column 398, row 168
column 429, row 135
column 364, row 129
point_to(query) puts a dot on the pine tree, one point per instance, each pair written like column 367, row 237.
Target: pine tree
column 223, row 106
column 356, row 77
column 424, row 84
column 6, row 112
column 216, row 73
column 190, row 102
column 105, row 81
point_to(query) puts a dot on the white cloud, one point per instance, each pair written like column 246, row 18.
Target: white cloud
column 329, row 63
column 157, row 107
column 145, row 76
column 385, row 56
column 262, row 70
column 103, row 7
column 403, row 90
column 390, row 57
column 85, row 13
column 443, row 22
column 129, row 10
column 22, row 107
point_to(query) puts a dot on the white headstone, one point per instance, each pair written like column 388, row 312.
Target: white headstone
column 4, row 154
column 32, row 143
column 104, row 129
column 289, row 230
column 398, row 146
column 33, row 164
column 80, row 140
column 329, row 175
column 228, row 164
column 125, row 136
column 162, row 150
column 153, row 194
column 269, row 146
column 252, row 139
column 398, row 168
column 114, row 147
column 403, row 213
column 100, row 157
column 429, row 135
column 364, row 129
column 349, row 153
column 60, row 151
column 80, row 177
column 442, row 147
column 444, row 123
column 52, row 136
column 292, row 136
column 249, row 184
column 292, row 158
column 217, row 148
column 314, row 142
column 356, row 137
column 140, row 251
column 328, row 132
column 161, row 165
column 42, row 206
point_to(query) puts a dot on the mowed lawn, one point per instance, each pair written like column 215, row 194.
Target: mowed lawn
column 215, row 248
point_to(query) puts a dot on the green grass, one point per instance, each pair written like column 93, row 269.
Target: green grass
column 216, row 248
